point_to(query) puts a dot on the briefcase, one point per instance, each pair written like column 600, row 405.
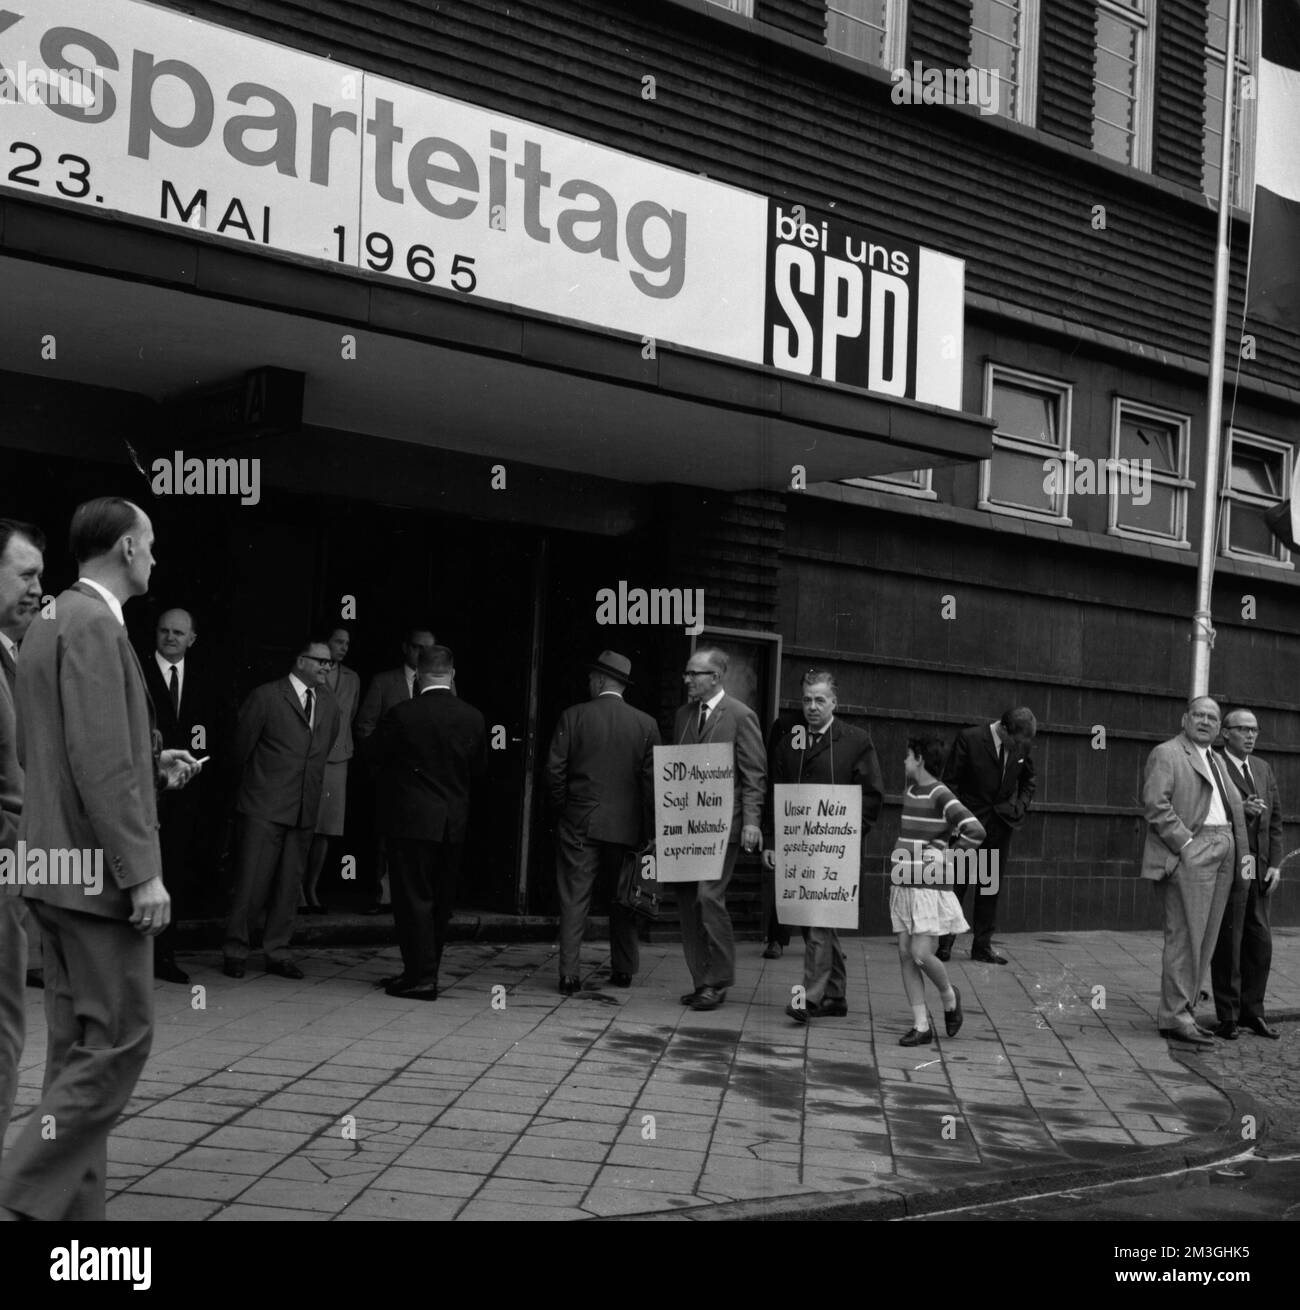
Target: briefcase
column 638, row 888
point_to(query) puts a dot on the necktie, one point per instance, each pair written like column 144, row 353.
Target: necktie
column 7, row 661
column 1250, row 782
column 415, row 678
column 309, row 706
column 704, row 714
column 1218, row 782
column 1002, row 757
column 174, row 687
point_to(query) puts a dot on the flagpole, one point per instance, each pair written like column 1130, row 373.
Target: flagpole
column 1202, row 619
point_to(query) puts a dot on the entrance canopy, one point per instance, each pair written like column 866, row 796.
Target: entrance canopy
column 146, row 311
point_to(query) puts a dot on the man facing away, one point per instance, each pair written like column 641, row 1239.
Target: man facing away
column 711, row 716
column 828, row 751
column 21, row 563
column 990, row 771
column 1244, row 953
column 285, row 733
column 428, row 753
column 600, row 775
column 1196, row 839
column 87, row 744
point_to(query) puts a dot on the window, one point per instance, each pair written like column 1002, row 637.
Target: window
column 1003, row 39
column 915, row 482
column 1258, row 476
column 1243, row 123
column 1148, row 480
column 870, row 30
column 1121, row 84
column 745, row 8
column 1033, row 429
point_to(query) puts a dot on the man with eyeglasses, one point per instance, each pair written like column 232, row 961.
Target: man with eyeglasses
column 286, row 731
column 711, row 716
column 1244, row 953
column 1196, row 841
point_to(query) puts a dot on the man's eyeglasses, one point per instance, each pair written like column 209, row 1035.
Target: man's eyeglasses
column 325, row 664
column 700, row 673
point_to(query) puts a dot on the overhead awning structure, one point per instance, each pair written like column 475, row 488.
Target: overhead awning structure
column 167, row 316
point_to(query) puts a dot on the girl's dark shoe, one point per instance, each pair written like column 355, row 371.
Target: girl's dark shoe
column 952, row 1018
column 917, row 1038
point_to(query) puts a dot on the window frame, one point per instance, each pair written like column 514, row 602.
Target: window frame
column 1027, row 79
column 1143, row 22
column 741, row 8
column 921, row 489
column 1123, row 408
column 1247, row 67
column 1281, row 558
column 1064, row 391
column 894, row 54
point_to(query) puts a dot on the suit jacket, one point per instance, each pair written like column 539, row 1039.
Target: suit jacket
column 978, row 780
column 600, row 770
column 732, row 720
column 204, row 702
column 427, row 752
column 86, row 742
column 842, row 755
column 348, row 695
column 386, row 690
column 11, row 772
column 281, row 758
column 1176, row 791
column 1264, row 831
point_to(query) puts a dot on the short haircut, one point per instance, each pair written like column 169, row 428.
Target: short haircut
column 98, row 525
column 1020, row 723
column 1196, row 700
column 717, row 658
column 408, row 637
column 10, row 528
column 930, row 750
column 1237, row 709
column 435, row 660
column 176, row 609
column 313, row 639
column 815, row 676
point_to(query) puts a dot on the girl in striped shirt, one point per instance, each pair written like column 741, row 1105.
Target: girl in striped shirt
column 933, row 819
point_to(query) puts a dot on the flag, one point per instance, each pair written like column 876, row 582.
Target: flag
column 1273, row 294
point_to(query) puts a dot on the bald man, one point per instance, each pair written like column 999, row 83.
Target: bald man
column 1196, row 839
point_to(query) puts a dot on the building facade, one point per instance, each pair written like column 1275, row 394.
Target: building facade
column 917, row 492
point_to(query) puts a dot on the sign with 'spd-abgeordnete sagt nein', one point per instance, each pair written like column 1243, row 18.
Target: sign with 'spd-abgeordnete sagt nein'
column 144, row 113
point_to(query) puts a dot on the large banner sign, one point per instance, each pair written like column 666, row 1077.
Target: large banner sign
column 145, row 113
column 818, row 854
column 694, row 801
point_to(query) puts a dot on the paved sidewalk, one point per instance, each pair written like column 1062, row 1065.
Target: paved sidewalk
column 326, row 1099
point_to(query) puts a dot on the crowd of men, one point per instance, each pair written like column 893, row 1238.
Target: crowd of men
column 103, row 752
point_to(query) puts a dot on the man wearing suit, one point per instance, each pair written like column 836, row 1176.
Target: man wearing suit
column 990, row 771
column 21, row 562
column 1196, row 840
column 823, row 750
column 345, row 685
column 711, row 716
column 600, row 772
column 1239, row 968
column 184, row 700
column 285, row 733
column 386, row 690
column 87, row 744
column 427, row 753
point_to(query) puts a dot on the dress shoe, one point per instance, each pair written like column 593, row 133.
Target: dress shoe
column 952, row 1018
column 688, row 998
column 399, row 981
column 569, row 984
column 917, row 1038
column 772, row 951
column 799, row 1013
column 709, row 998
column 36, row 978
column 232, row 968
column 169, row 971
column 419, row 991
column 620, row 980
column 944, row 951
column 313, row 909
column 1227, row 1030
column 989, row 956
column 830, row 1007
column 1260, row 1028
column 284, row 969
column 1191, row 1034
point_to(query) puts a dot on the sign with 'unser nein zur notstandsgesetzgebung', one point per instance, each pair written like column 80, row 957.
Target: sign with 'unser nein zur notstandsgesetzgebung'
column 142, row 112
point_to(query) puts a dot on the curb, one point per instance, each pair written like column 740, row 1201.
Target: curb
column 1009, row 1184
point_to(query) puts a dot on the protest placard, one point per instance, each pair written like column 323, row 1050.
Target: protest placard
column 818, row 854
column 694, row 795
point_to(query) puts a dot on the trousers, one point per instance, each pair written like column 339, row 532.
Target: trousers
column 708, row 940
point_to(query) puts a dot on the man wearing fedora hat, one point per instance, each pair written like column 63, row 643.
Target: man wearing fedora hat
column 600, row 774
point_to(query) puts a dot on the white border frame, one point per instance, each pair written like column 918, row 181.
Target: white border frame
column 1180, row 481
column 994, row 373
